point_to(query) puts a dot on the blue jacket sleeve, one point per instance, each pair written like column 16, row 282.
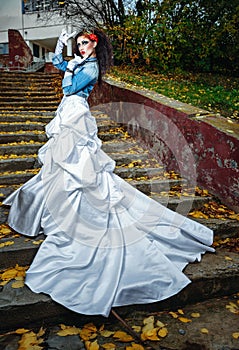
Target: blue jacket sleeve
column 76, row 82
column 59, row 62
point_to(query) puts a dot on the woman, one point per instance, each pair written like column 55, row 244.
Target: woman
column 106, row 244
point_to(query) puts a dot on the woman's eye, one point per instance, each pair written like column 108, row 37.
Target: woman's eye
column 84, row 42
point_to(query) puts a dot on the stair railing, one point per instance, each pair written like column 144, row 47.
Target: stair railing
column 32, row 67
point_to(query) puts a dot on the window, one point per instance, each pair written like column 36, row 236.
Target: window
column 36, row 51
column 42, row 5
column 4, row 49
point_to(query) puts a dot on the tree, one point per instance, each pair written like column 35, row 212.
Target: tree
column 104, row 13
column 194, row 35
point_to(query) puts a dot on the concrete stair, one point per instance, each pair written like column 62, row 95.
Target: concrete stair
column 29, row 91
column 22, row 125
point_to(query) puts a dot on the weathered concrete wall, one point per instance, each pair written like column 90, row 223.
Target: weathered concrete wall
column 19, row 53
column 203, row 147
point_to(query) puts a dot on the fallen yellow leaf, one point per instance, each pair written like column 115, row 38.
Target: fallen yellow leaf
column 9, row 274
column 204, row 330
column 38, row 242
column 235, row 335
column 17, row 284
column 30, row 340
column 21, row 331
column 7, row 243
column 92, row 346
column 232, row 307
column 3, row 283
column 163, row 332
column 68, row 330
column 150, row 335
column 41, row 332
column 160, row 324
column 195, row 314
column 122, row 336
column 5, row 230
column 87, row 334
column 19, row 278
column 91, row 327
column 184, row 319
column 149, row 319
column 228, row 258
column 180, row 311
column 173, row 314
column 137, row 329
column 106, row 333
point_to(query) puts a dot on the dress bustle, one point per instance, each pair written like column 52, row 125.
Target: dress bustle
column 107, row 244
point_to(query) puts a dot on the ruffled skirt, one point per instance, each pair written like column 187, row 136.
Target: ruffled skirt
column 107, row 244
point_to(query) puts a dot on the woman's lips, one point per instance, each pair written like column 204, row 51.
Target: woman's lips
column 82, row 52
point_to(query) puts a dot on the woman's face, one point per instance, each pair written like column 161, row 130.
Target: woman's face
column 86, row 46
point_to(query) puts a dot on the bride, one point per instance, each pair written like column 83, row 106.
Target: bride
column 107, row 244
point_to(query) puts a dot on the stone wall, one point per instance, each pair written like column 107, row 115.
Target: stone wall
column 203, row 147
column 19, row 53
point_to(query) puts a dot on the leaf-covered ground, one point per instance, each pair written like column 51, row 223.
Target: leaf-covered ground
column 188, row 328
column 215, row 93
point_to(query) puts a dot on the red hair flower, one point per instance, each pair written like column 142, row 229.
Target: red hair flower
column 93, row 37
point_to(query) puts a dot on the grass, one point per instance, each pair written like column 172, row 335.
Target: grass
column 214, row 93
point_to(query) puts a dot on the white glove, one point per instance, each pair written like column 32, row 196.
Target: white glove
column 75, row 62
column 72, row 65
column 63, row 41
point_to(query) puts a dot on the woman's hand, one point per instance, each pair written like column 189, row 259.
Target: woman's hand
column 74, row 62
column 63, row 38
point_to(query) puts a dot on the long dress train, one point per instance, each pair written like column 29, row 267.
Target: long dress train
column 107, row 244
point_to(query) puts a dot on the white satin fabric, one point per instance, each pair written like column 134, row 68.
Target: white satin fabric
column 107, row 244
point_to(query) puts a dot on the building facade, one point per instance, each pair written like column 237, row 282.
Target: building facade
column 39, row 23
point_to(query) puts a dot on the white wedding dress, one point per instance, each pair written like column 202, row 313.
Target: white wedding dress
column 107, row 244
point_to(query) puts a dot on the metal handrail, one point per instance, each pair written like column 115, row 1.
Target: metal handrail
column 32, row 67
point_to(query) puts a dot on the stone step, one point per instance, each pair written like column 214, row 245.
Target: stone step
column 215, row 276
column 145, row 186
column 34, row 101
column 155, row 186
column 181, row 204
column 107, row 136
column 17, row 164
column 27, row 81
column 222, row 228
column 29, row 86
column 8, row 138
column 19, row 149
column 27, row 75
column 15, row 81
column 17, row 126
column 31, row 126
column 181, row 336
column 16, row 108
column 126, row 158
column 136, row 172
column 33, row 104
column 25, row 117
column 122, row 146
column 19, row 178
column 226, row 228
column 24, row 248
column 26, row 94
column 24, row 163
column 25, row 113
